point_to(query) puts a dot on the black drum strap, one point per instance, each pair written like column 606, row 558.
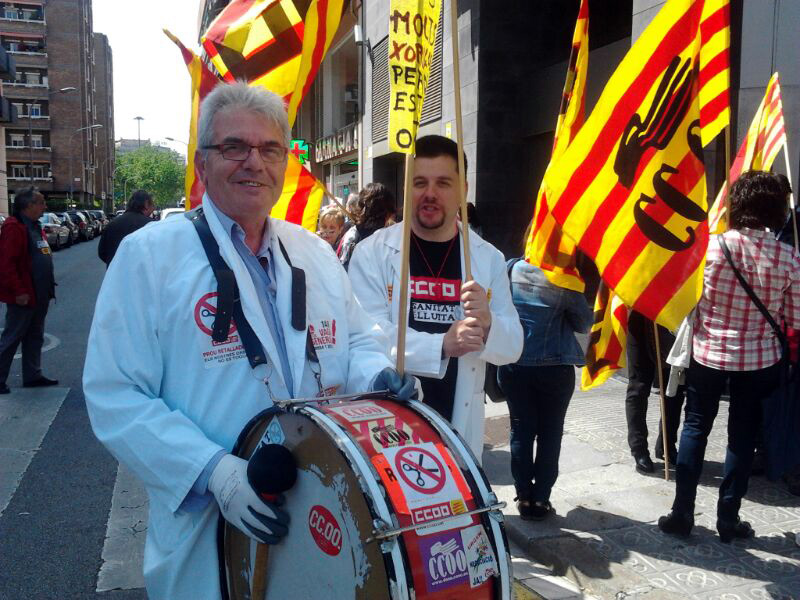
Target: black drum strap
column 228, row 303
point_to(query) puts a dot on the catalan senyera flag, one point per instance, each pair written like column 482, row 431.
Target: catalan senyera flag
column 277, row 44
column 203, row 81
column 301, row 197
column 764, row 140
column 259, row 41
column 547, row 247
column 606, row 350
column 630, row 188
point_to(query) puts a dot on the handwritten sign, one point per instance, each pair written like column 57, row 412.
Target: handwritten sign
column 412, row 36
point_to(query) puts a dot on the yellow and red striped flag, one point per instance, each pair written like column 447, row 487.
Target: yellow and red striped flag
column 760, row 147
column 547, row 247
column 607, row 340
column 301, row 197
column 630, row 189
column 277, row 44
column 203, row 81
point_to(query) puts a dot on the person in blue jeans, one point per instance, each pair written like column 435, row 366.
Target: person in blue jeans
column 540, row 384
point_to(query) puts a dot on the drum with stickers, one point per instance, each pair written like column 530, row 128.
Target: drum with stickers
column 389, row 503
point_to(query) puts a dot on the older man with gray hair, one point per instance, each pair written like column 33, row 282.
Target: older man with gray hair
column 170, row 382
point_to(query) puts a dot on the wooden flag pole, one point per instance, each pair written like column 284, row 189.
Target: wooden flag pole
column 663, row 402
column 339, row 204
column 728, row 176
column 791, row 196
column 402, row 304
column 462, row 176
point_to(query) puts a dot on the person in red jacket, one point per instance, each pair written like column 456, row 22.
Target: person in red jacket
column 26, row 285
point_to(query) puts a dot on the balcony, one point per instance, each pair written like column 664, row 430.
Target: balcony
column 25, row 17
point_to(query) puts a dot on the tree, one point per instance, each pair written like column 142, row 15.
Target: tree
column 155, row 169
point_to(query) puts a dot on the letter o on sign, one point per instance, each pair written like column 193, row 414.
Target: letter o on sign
column 325, row 530
column 404, row 138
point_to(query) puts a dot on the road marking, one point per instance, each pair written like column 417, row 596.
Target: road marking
column 25, row 417
column 123, row 549
column 50, row 342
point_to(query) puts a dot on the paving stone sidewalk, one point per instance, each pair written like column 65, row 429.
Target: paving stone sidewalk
column 603, row 537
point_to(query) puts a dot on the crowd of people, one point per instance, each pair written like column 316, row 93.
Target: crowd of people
column 169, row 404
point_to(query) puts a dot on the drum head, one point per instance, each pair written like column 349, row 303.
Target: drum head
column 324, row 555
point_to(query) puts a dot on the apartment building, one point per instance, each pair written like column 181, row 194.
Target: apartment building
column 54, row 142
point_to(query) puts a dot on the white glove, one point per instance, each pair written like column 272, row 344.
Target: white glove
column 241, row 506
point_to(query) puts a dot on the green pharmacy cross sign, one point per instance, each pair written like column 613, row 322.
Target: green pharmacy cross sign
column 300, row 149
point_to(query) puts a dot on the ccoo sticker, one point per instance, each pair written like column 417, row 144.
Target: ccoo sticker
column 325, row 530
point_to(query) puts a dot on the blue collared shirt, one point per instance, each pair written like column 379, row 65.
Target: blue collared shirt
column 266, row 290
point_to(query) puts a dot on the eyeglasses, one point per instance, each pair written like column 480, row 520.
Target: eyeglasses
column 239, row 151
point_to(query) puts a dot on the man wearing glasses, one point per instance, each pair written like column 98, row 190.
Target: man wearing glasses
column 167, row 397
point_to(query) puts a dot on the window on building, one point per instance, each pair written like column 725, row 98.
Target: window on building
column 36, row 110
column 10, row 13
column 36, row 141
column 17, row 139
column 41, row 171
column 20, row 108
column 18, row 171
column 33, row 78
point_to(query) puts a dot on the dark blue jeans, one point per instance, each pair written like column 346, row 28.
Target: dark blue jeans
column 538, row 398
column 705, row 385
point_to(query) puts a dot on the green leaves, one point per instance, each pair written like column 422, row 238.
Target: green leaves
column 155, row 169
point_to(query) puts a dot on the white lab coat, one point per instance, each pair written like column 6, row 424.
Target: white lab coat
column 164, row 399
column 375, row 267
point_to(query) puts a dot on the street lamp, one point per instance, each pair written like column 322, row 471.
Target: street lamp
column 174, row 140
column 138, row 130
column 63, row 90
column 71, row 156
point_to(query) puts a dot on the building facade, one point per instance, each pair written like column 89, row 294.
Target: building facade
column 54, row 142
column 513, row 62
column 104, row 105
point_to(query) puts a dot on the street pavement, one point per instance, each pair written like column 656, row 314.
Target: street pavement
column 603, row 540
column 73, row 521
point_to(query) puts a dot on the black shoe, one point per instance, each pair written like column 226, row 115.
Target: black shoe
column 671, row 453
column 4, row 389
column 644, row 464
column 676, row 523
column 540, row 510
column 41, row 382
column 728, row 530
column 525, row 508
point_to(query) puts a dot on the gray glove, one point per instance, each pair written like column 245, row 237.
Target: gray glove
column 241, row 507
column 403, row 386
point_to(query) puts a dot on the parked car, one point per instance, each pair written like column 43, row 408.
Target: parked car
column 92, row 222
column 85, row 227
column 57, row 234
column 171, row 212
column 66, row 221
column 101, row 218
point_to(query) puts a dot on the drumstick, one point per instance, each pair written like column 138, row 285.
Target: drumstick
column 259, row 587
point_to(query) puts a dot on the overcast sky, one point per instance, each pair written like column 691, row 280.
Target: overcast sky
column 150, row 78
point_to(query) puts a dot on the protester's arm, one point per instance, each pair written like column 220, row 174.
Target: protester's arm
column 504, row 343
column 122, row 382
column 577, row 311
column 12, row 247
column 423, row 350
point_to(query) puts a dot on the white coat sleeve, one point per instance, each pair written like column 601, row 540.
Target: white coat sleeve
column 368, row 346
column 122, row 382
column 369, row 273
column 504, row 343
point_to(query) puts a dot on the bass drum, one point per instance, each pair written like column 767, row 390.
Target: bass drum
column 389, row 503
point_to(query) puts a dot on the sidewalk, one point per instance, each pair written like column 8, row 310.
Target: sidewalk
column 603, row 540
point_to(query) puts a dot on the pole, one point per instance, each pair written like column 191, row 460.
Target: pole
column 462, row 184
column 728, row 176
column 340, row 205
column 792, row 204
column 402, row 310
column 30, row 141
column 663, row 403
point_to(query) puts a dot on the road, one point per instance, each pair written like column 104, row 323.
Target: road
column 53, row 529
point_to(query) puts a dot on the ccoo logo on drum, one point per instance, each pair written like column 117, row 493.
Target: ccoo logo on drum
column 444, row 560
column 325, row 530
